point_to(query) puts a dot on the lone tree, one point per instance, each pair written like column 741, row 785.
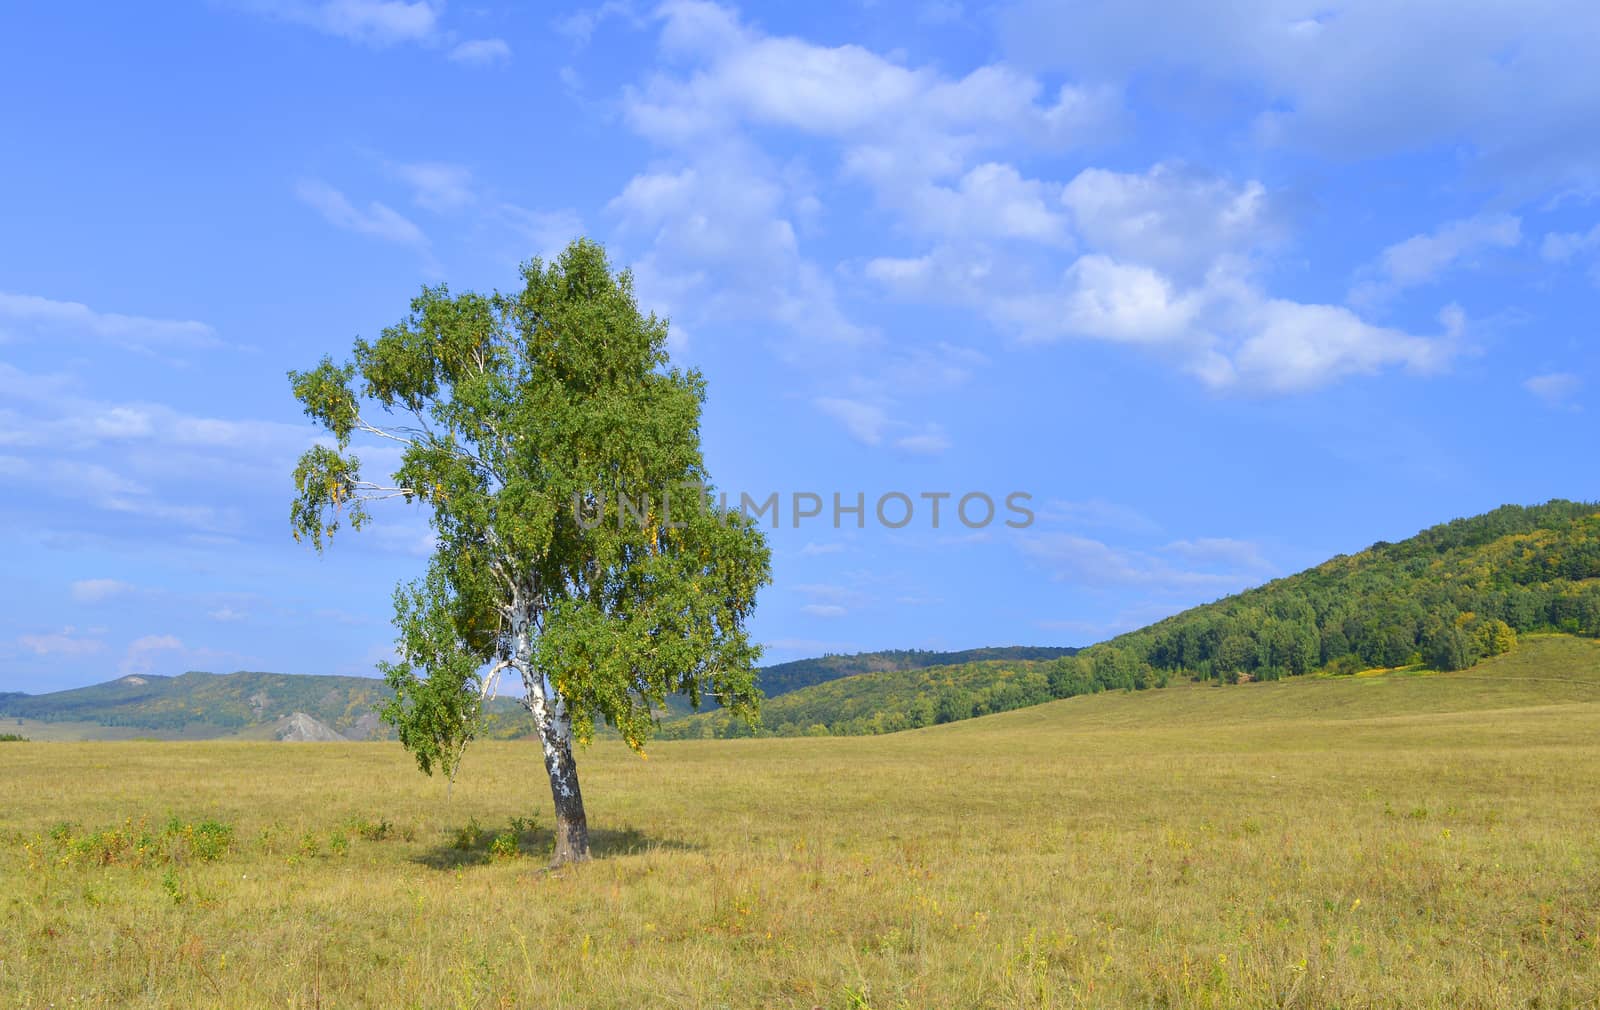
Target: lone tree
column 578, row 544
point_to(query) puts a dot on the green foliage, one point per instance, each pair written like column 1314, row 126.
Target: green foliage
column 135, row 843
column 505, row 846
column 781, row 678
column 12, row 738
column 469, row 836
column 436, row 714
column 515, row 408
column 1447, row 597
column 884, row 702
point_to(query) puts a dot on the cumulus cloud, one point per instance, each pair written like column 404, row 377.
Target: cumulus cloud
column 30, row 317
column 65, row 644
column 1172, row 217
column 722, row 238
column 98, row 590
column 1174, row 270
column 377, row 220
column 1422, row 259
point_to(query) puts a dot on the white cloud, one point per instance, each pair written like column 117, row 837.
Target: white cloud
column 1559, row 247
column 226, row 614
column 722, row 238
column 580, row 25
column 1172, row 217
column 866, row 422
column 142, row 459
column 33, row 317
column 813, row 549
column 1421, row 259
column 369, row 22
column 378, row 220
column 1352, row 77
column 1090, row 562
column 992, row 200
column 143, row 653
column 1127, row 303
column 1096, row 513
column 436, row 185
column 1556, row 389
column 1223, row 551
column 482, row 52
column 824, row 610
column 926, row 443
column 98, row 590
column 744, row 76
column 66, row 643
column 870, row 422
column 1225, row 332
column 546, row 233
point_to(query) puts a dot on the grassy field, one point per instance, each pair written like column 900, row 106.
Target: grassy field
column 1389, row 841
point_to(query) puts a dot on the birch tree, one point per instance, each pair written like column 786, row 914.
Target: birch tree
column 579, row 548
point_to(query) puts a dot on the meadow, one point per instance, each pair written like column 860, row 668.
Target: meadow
column 1397, row 840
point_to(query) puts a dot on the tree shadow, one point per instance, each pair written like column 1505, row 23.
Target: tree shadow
column 475, row 845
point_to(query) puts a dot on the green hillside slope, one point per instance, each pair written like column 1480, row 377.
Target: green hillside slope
column 885, row 702
column 197, row 705
column 781, row 678
column 1445, row 599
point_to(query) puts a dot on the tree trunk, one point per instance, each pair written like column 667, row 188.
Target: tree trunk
column 572, row 825
column 550, row 715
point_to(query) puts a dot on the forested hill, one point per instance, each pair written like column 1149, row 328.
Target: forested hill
column 1445, row 599
column 781, row 678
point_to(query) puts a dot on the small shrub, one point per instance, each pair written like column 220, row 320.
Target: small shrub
column 339, row 843
column 469, row 836
column 505, row 846
column 175, row 891
column 134, row 843
column 12, row 738
column 374, row 831
column 309, row 846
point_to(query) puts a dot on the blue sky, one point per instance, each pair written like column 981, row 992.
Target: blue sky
column 1226, row 293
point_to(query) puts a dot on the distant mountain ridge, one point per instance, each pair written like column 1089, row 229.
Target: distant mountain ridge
column 199, row 705
column 259, row 705
column 783, row 678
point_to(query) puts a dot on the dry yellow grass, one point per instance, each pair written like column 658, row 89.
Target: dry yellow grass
column 1399, row 841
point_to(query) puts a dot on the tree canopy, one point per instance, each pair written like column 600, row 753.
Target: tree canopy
column 578, row 544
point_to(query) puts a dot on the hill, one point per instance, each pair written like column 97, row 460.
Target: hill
column 205, row 705
column 782, row 678
column 1444, row 599
column 254, row 705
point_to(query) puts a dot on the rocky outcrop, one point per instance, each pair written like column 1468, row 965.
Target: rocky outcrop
column 301, row 728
